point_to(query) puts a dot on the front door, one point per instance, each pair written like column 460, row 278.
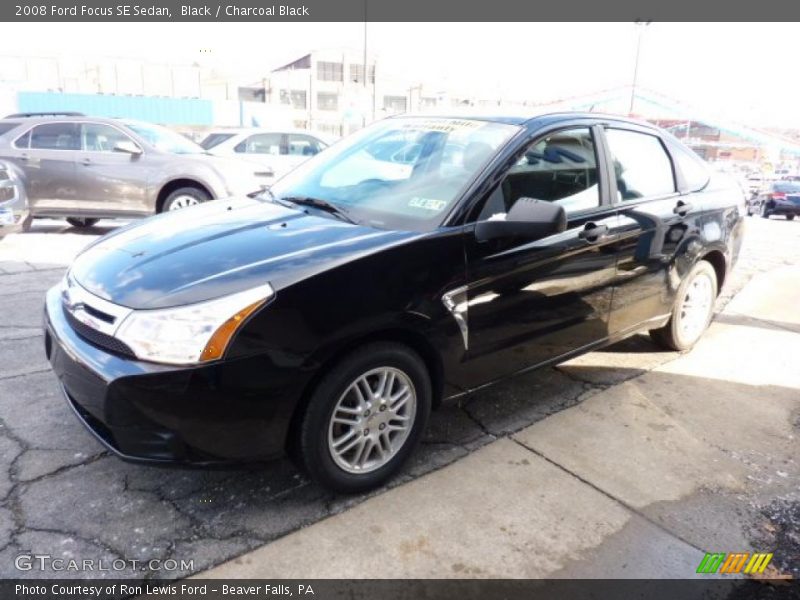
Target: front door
column 109, row 181
column 529, row 302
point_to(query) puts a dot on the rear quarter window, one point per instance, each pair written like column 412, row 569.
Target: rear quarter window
column 694, row 170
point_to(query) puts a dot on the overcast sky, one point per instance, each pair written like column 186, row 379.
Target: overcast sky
column 744, row 70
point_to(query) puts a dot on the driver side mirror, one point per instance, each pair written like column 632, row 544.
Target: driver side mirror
column 127, row 147
column 528, row 218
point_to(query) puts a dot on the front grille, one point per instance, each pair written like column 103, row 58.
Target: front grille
column 98, row 338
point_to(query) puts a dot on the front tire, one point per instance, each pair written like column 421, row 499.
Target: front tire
column 691, row 314
column 81, row 222
column 790, row 217
column 365, row 417
column 185, row 197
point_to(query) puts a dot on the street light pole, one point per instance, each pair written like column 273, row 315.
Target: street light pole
column 640, row 25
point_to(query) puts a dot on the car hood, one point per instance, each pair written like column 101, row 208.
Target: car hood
column 219, row 248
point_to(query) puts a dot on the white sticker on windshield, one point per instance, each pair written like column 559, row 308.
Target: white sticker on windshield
column 427, row 203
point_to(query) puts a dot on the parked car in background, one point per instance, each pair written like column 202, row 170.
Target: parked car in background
column 14, row 212
column 778, row 198
column 329, row 315
column 277, row 151
column 86, row 168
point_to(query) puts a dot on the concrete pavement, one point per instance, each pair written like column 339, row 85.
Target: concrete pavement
column 640, row 479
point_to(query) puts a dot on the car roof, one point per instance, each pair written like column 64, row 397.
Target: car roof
column 35, row 120
column 528, row 118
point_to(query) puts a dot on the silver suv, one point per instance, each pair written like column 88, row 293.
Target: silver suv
column 85, row 168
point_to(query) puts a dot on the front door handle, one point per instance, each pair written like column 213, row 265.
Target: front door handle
column 593, row 232
column 25, row 158
column 86, row 162
column 682, row 208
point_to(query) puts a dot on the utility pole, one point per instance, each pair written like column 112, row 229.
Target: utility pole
column 640, row 25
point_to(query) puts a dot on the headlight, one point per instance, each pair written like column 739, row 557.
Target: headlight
column 190, row 334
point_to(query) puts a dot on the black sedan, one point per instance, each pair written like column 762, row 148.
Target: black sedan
column 328, row 316
column 779, row 198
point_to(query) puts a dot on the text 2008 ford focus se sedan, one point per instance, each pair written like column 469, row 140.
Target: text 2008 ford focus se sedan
column 417, row 260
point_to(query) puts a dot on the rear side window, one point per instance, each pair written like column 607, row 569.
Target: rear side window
column 24, row 140
column 694, row 170
column 642, row 167
column 261, row 143
column 303, row 145
column 56, row 136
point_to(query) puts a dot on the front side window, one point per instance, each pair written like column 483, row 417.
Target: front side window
column 303, row 145
column 561, row 168
column 55, row 136
column 402, row 173
column 694, row 170
column 96, row 137
column 641, row 165
column 261, row 143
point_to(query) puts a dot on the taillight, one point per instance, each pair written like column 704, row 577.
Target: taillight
column 777, row 196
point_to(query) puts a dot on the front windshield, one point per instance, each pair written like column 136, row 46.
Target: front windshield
column 400, row 173
column 164, row 139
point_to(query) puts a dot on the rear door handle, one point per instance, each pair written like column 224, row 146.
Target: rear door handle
column 593, row 232
column 682, row 208
column 86, row 162
column 25, row 158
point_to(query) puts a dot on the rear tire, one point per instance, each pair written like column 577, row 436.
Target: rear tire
column 185, row 197
column 692, row 311
column 81, row 222
column 790, row 217
column 354, row 438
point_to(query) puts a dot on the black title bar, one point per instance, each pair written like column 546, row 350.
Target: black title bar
column 400, row 10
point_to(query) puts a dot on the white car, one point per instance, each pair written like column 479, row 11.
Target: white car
column 277, row 151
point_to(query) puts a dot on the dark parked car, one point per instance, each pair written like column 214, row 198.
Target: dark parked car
column 327, row 317
column 86, row 168
column 779, row 198
column 13, row 202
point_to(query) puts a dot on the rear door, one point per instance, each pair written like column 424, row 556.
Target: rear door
column 529, row 302
column 109, row 181
column 46, row 154
column 655, row 217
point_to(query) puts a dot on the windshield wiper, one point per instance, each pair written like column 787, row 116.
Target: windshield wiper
column 321, row 204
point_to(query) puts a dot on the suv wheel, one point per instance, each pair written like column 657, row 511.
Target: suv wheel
column 691, row 314
column 185, row 197
column 365, row 418
column 81, row 222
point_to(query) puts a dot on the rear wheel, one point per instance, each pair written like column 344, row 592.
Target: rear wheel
column 81, row 222
column 185, row 197
column 692, row 311
column 365, row 417
column 789, row 217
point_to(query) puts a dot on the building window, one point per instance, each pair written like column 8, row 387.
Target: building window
column 294, row 98
column 357, row 73
column 329, row 71
column 427, row 102
column 394, row 103
column 327, row 101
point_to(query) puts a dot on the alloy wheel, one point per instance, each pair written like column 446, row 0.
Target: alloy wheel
column 183, row 201
column 372, row 420
column 696, row 307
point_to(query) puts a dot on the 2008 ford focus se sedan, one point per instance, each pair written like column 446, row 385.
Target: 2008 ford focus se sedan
column 415, row 261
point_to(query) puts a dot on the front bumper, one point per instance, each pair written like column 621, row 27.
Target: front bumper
column 226, row 412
